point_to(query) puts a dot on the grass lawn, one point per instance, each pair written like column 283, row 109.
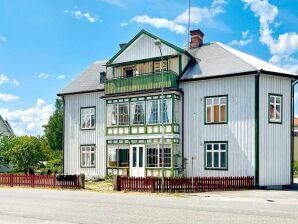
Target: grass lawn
column 99, row 186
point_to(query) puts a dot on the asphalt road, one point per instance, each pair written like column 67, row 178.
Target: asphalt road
column 53, row 206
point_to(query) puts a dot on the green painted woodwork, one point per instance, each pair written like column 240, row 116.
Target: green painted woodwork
column 141, row 82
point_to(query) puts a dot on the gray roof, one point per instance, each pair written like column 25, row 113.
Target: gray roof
column 5, row 129
column 87, row 81
column 217, row 59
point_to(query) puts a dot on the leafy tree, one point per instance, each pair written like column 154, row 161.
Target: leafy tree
column 26, row 153
column 54, row 129
column 6, row 143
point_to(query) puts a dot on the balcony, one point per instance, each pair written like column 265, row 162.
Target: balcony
column 141, row 82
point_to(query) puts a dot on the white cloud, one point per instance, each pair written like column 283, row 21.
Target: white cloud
column 80, row 14
column 61, row 77
column 2, row 39
column 30, row 120
column 123, row 24
column 8, row 97
column 160, row 23
column 178, row 25
column 15, row 82
column 285, row 45
column 244, row 41
column 43, row 75
column 3, row 79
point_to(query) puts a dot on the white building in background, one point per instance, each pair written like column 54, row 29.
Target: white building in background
column 225, row 112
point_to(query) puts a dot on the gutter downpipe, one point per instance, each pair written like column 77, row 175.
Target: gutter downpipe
column 257, row 104
column 63, row 146
column 292, row 129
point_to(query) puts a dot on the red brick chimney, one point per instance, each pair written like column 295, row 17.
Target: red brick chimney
column 196, row 38
column 122, row 45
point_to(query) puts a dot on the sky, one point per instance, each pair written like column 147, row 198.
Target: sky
column 45, row 44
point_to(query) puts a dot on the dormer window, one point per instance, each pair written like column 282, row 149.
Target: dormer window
column 157, row 66
column 102, row 77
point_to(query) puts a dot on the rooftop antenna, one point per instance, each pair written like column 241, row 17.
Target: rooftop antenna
column 188, row 24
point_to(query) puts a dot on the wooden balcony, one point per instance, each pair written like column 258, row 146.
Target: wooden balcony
column 141, row 82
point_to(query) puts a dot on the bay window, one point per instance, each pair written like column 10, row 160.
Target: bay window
column 137, row 112
column 118, row 156
column 158, row 110
column 117, row 114
column 154, row 155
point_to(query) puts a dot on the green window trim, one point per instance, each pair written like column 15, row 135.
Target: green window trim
column 227, row 109
column 281, row 108
column 226, row 156
column 81, row 159
column 90, row 107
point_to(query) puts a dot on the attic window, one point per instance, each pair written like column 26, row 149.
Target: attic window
column 157, row 66
column 102, row 77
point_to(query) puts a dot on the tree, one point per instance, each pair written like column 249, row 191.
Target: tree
column 54, row 129
column 6, row 143
column 26, row 153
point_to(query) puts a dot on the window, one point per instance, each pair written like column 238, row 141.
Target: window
column 158, row 110
column 216, row 109
column 216, row 155
column 102, row 77
column 88, row 118
column 157, row 66
column 117, row 114
column 154, row 155
column 275, row 108
column 128, row 71
column 88, row 155
column 137, row 113
column 118, row 156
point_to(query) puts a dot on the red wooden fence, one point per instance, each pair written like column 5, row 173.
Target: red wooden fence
column 184, row 184
column 38, row 181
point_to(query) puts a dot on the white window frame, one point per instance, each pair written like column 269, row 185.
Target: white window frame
column 86, row 114
column 159, row 155
column 212, row 150
column 274, row 104
column 157, row 66
column 111, row 111
column 211, row 106
column 86, row 156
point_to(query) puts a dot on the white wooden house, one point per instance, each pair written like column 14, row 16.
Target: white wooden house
column 226, row 113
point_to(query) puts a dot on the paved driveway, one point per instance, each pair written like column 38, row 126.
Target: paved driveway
column 53, row 206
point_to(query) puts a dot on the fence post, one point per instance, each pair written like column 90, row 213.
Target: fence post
column 152, row 185
column 82, row 180
column 116, row 183
column 11, row 180
column 32, row 180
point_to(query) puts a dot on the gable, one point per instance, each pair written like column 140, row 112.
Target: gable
column 142, row 47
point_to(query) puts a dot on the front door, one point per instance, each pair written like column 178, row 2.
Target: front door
column 137, row 156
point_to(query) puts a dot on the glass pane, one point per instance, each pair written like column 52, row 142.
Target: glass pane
column 134, row 156
column 92, row 159
column 215, row 100
column 209, row 160
column 278, row 99
column 152, row 156
column 223, row 147
column 92, row 121
column 223, row 100
column 123, row 157
column 216, row 113
column 140, row 156
column 209, row 102
column 216, row 160
column 209, row 147
column 216, row 146
column 223, row 160
column 138, row 113
column 153, row 111
column 223, row 113
column 271, row 99
column 208, row 114
column 271, row 112
column 112, row 157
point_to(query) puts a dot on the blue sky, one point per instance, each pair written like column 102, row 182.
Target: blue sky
column 44, row 44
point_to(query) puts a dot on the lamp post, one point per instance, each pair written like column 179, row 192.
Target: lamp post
column 158, row 44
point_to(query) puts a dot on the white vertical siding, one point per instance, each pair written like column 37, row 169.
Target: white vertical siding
column 275, row 139
column 74, row 136
column 239, row 132
column 143, row 48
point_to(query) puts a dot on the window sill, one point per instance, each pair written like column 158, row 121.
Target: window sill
column 213, row 123
column 85, row 129
column 223, row 169
column 87, row 166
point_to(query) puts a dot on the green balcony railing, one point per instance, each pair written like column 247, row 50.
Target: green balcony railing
column 141, row 82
